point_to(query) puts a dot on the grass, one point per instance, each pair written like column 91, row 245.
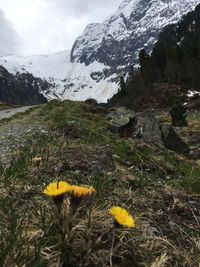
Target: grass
column 6, row 106
column 157, row 187
column 19, row 115
column 190, row 177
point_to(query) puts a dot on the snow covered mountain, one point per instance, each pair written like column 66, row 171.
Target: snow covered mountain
column 103, row 51
column 66, row 80
column 135, row 25
column 21, row 89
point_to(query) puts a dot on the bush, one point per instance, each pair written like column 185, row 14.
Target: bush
column 178, row 114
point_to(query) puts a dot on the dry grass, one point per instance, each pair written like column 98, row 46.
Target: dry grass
column 166, row 234
column 167, row 219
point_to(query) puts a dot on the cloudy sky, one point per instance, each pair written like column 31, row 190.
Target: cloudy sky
column 43, row 26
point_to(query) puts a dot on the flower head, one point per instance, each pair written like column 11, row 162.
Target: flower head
column 122, row 217
column 78, row 193
column 57, row 190
column 81, row 191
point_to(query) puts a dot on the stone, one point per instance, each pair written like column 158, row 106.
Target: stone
column 119, row 118
column 172, row 140
column 146, row 127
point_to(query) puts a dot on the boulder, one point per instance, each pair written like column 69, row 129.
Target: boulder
column 145, row 126
column 172, row 140
column 120, row 118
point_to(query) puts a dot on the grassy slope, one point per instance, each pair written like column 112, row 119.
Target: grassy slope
column 6, row 106
column 159, row 188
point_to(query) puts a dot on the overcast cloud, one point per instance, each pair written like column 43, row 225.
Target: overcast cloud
column 46, row 26
column 9, row 39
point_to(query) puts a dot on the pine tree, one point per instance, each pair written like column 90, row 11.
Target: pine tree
column 122, row 86
column 179, row 115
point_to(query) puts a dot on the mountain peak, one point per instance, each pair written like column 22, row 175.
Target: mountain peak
column 135, row 25
column 127, row 6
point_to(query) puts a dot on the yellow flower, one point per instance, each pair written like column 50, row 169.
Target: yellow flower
column 78, row 193
column 81, row 191
column 122, row 217
column 57, row 190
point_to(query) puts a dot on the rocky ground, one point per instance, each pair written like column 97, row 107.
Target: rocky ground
column 7, row 113
column 14, row 131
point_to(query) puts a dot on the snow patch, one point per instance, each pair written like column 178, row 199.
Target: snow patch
column 192, row 93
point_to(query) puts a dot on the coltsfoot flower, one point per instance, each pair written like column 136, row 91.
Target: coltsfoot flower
column 122, row 217
column 78, row 193
column 57, row 190
column 81, row 191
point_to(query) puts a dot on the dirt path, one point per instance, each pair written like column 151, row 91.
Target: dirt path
column 10, row 112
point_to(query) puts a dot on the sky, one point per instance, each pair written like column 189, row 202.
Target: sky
column 29, row 27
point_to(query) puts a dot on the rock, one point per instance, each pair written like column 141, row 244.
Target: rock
column 146, row 127
column 120, row 118
column 142, row 125
column 173, row 225
column 127, row 163
column 172, row 140
column 116, row 157
column 91, row 101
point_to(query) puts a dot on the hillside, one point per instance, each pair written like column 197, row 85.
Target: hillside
column 21, row 89
column 170, row 72
column 82, row 144
column 135, row 25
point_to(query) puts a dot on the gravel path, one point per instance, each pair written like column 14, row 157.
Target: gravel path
column 14, row 133
column 4, row 114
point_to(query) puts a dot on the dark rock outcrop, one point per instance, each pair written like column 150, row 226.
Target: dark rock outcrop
column 22, row 89
column 172, row 140
column 145, row 126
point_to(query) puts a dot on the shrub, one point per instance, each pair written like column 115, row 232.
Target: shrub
column 178, row 114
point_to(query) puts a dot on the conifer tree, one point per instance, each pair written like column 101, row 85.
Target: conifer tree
column 122, row 86
column 178, row 113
